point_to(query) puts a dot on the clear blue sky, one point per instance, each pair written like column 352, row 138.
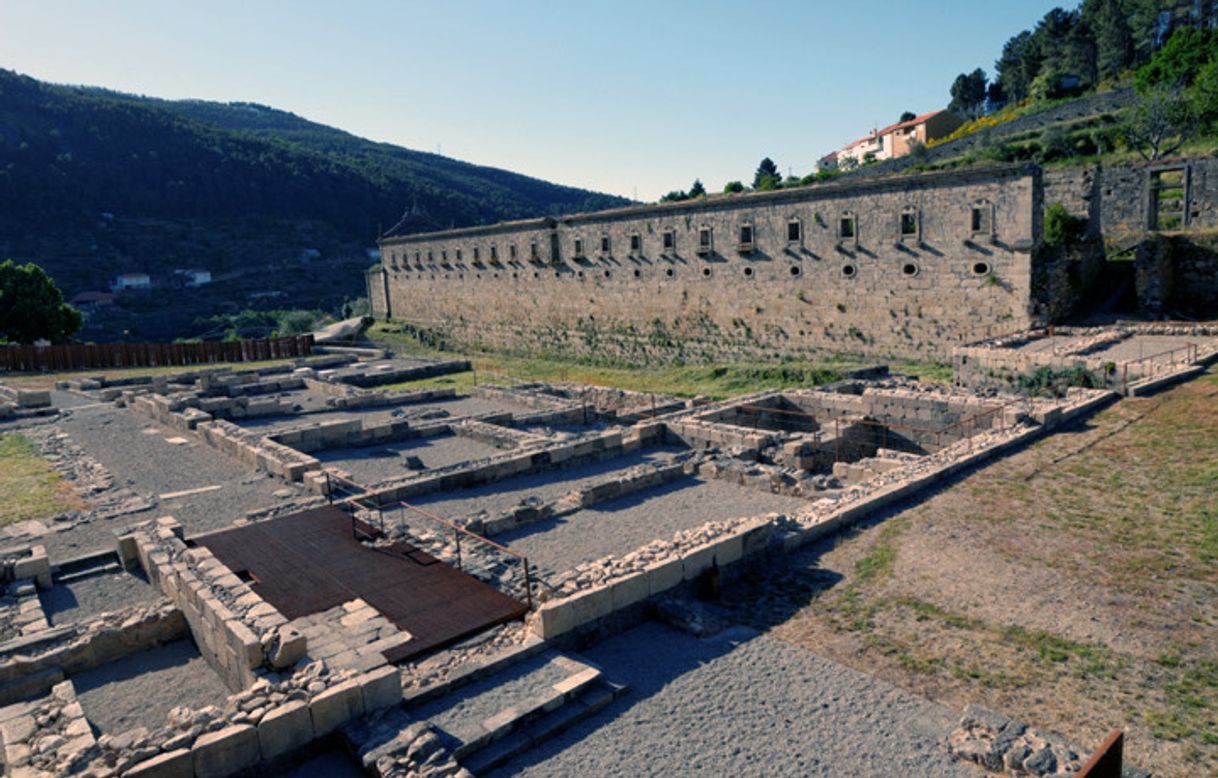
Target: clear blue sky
column 624, row 97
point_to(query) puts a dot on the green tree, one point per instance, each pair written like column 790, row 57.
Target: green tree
column 32, row 307
column 1017, row 66
column 1160, row 123
column 968, row 93
column 907, row 116
column 675, row 196
column 733, row 187
column 1178, row 62
column 697, row 190
column 767, row 175
column 1113, row 39
column 1203, row 94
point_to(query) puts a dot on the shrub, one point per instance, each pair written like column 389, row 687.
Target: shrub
column 1061, row 228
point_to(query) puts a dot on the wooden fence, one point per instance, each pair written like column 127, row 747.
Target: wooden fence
column 119, row 355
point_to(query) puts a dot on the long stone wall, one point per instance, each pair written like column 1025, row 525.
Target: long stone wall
column 904, row 266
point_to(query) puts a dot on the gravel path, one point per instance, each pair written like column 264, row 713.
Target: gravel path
column 461, row 713
column 742, row 704
column 620, row 526
column 85, row 598
column 373, row 464
column 549, row 485
column 138, row 454
column 132, row 692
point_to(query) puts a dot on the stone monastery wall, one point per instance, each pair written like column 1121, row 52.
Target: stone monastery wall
column 904, row 266
column 908, row 265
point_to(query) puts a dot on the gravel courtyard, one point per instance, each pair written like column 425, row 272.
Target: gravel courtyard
column 741, row 703
column 132, row 692
column 620, row 526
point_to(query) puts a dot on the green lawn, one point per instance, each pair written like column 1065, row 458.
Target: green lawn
column 717, row 381
column 29, row 487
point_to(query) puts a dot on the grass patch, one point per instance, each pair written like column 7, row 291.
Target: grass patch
column 29, row 487
column 716, row 381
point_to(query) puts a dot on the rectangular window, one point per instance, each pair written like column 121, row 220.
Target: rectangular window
column 846, row 229
column 636, row 243
column 418, row 258
column 476, row 255
column 909, row 224
column 705, row 244
column 533, row 251
column 458, row 255
column 795, row 231
column 512, row 251
column 431, row 257
column 980, row 222
column 746, row 237
column 494, row 253
column 670, row 241
column 605, row 243
column 579, row 247
column 444, row 255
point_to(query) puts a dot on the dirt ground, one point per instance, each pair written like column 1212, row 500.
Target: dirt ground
column 1073, row 585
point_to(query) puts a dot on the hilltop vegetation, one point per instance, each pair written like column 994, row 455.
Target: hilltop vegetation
column 70, row 153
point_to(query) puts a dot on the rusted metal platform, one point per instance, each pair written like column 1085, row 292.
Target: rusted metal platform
column 309, row 562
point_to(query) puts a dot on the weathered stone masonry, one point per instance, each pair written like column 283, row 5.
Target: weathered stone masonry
column 906, row 266
column 897, row 266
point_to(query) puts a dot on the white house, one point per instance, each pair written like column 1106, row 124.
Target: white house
column 132, row 281
column 195, row 277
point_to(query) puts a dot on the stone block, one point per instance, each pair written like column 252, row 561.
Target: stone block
column 335, row 707
column 172, row 764
column 697, row 560
column 128, row 551
column 629, row 590
column 291, row 648
column 554, row 619
column 382, row 688
column 285, row 729
column 663, row 576
column 591, row 604
column 225, row 751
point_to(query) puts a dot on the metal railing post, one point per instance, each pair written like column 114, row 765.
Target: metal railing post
column 528, row 584
column 457, row 536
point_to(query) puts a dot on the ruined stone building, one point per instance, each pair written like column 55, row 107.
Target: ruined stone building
column 902, row 266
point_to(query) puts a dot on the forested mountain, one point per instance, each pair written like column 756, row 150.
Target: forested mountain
column 69, row 153
column 280, row 210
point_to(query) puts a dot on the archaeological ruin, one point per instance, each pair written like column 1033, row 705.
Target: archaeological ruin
column 294, row 565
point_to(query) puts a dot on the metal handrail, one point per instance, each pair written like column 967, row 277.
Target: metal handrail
column 457, row 529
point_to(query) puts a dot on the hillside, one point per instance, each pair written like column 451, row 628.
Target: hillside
column 94, row 183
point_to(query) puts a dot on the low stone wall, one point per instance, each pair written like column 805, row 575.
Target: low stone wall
column 32, row 664
column 259, row 730
column 590, row 449
column 495, row 435
column 597, row 589
column 26, row 562
column 1001, row 363
column 237, row 631
column 25, row 398
column 1001, row 744
column 257, row 450
column 375, row 377
column 636, row 479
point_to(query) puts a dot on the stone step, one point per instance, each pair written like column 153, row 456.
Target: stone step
column 587, row 703
column 493, row 708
